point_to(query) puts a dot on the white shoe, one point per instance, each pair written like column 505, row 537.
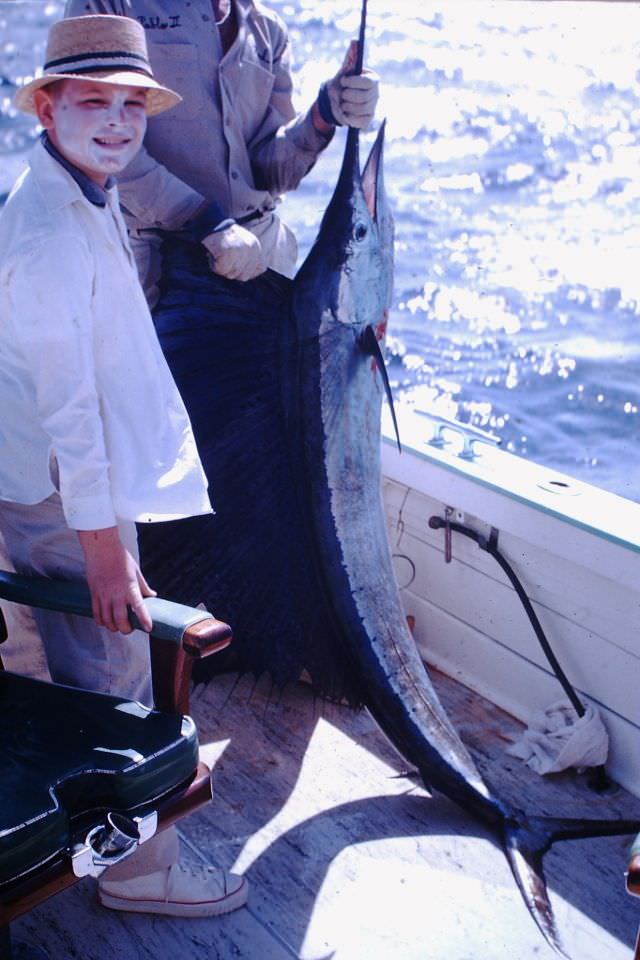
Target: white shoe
column 183, row 890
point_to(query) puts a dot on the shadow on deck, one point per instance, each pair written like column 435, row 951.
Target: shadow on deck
column 349, row 859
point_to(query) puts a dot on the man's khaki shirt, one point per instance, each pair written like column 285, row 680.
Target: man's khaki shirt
column 235, row 138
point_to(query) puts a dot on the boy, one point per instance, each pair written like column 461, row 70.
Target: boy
column 93, row 432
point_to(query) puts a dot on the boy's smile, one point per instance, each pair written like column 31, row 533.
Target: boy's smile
column 99, row 127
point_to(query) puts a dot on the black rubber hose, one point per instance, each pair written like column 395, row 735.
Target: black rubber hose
column 599, row 780
column 437, row 523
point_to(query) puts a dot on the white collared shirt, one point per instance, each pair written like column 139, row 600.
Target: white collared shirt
column 82, row 375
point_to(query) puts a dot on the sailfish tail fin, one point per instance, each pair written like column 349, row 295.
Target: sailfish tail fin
column 526, row 843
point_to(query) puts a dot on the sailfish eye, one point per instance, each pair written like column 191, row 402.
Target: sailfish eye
column 360, row 231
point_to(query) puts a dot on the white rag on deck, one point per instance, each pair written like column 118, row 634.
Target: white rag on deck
column 557, row 739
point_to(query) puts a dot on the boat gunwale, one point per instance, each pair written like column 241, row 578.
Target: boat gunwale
column 611, row 518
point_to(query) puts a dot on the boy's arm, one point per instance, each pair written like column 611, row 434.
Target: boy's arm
column 51, row 327
column 49, row 287
column 115, row 581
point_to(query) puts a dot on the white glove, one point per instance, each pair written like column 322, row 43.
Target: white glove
column 352, row 98
column 235, row 253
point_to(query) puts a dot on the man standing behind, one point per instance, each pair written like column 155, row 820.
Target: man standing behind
column 93, row 432
column 221, row 159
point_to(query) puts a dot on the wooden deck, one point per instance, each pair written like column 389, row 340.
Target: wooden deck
column 348, row 859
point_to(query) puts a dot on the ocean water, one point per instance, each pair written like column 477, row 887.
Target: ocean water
column 513, row 167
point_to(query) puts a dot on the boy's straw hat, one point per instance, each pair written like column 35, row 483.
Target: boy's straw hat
column 103, row 48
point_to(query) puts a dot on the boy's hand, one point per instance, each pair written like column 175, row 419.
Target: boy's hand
column 115, row 581
column 235, row 253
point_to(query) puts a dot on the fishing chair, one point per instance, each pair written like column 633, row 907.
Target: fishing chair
column 85, row 777
column 633, row 882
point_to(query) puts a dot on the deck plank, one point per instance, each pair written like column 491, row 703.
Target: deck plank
column 348, row 858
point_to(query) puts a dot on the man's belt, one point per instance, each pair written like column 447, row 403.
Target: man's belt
column 254, row 215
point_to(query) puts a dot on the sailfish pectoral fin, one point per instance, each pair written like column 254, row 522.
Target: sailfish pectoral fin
column 370, row 345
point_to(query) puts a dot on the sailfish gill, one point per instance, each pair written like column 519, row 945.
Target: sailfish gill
column 340, row 301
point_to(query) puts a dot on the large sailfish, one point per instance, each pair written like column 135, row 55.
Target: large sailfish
column 297, row 557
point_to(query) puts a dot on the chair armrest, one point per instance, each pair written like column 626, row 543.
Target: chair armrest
column 196, row 630
column 179, row 634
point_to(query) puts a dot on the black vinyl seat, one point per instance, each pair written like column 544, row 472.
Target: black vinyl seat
column 66, row 754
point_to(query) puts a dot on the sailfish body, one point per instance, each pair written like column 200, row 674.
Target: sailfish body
column 339, row 309
column 340, row 301
column 339, row 305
